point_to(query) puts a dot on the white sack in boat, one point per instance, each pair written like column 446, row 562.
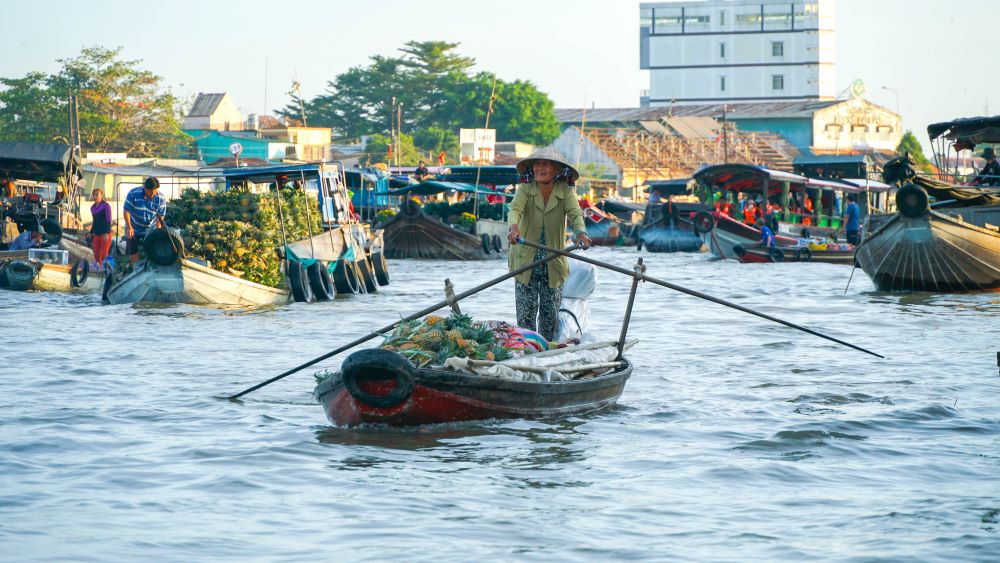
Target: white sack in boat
column 551, row 365
column 581, row 281
column 574, row 316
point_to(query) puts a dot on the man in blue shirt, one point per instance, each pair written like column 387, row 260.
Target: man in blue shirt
column 852, row 220
column 27, row 239
column 144, row 210
column 766, row 234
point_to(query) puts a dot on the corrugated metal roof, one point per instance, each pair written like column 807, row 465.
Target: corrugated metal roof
column 747, row 110
column 694, row 127
column 205, row 104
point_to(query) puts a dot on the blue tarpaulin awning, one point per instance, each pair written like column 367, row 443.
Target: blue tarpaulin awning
column 432, row 187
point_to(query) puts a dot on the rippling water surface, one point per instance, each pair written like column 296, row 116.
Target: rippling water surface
column 736, row 438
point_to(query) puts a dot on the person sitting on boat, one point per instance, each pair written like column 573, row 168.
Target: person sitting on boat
column 852, row 220
column 538, row 213
column 27, row 239
column 654, row 197
column 421, row 173
column 990, row 174
column 144, row 210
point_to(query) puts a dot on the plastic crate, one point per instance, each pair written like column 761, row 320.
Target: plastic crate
column 49, row 255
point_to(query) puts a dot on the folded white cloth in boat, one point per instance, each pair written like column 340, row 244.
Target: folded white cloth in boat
column 561, row 364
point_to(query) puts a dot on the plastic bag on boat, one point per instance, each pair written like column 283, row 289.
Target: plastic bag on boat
column 574, row 316
column 581, row 281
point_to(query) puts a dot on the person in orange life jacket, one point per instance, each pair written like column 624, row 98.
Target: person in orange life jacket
column 748, row 212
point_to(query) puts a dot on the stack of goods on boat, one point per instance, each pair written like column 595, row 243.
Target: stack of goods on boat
column 239, row 231
column 448, row 369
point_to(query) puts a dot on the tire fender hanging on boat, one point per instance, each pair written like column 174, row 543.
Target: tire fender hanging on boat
column 703, row 222
column 381, row 268
column 803, row 254
column 486, row 244
column 319, row 281
column 776, row 255
column 79, row 272
column 377, row 364
column 298, row 282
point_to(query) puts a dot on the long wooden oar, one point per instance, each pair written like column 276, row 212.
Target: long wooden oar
column 694, row 293
column 441, row 305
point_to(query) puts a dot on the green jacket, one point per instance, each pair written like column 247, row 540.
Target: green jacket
column 529, row 212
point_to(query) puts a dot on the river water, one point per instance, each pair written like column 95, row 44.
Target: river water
column 736, row 438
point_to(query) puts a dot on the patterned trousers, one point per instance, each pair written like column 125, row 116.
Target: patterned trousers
column 537, row 299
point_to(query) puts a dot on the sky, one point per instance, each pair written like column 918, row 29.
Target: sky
column 930, row 58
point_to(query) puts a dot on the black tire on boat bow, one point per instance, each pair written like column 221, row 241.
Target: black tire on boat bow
column 776, row 255
column 912, row 201
column 703, row 222
column 377, row 364
column 803, row 254
column 163, row 247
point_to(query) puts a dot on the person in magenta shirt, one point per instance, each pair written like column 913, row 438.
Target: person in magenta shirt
column 100, row 229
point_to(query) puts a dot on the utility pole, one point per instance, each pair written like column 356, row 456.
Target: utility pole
column 399, row 133
column 725, row 136
column 489, row 110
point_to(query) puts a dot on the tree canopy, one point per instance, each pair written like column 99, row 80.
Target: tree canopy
column 121, row 107
column 909, row 144
column 433, row 85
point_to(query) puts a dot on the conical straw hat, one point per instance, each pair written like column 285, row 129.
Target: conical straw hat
column 547, row 153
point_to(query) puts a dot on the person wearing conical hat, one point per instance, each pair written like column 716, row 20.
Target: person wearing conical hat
column 543, row 203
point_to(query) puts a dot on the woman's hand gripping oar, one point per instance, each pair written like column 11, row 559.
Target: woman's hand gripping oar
column 694, row 293
column 441, row 305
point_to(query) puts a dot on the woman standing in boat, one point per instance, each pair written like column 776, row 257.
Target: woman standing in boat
column 100, row 229
column 541, row 207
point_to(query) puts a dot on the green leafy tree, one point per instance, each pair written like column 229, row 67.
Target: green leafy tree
column 121, row 107
column 433, row 140
column 433, row 85
column 909, row 144
column 377, row 149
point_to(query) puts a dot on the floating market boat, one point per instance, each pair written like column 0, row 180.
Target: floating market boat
column 414, row 233
column 380, row 387
column 342, row 256
column 453, row 370
column 723, row 227
column 943, row 237
column 610, row 221
column 668, row 224
column 830, row 253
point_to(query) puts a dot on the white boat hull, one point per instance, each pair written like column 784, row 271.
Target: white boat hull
column 187, row 282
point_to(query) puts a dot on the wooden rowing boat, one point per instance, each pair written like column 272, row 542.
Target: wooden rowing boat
column 395, row 393
column 758, row 253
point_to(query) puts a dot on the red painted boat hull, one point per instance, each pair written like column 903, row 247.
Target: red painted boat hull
column 442, row 396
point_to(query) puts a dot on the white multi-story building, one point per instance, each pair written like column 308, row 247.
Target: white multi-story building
column 738, row 50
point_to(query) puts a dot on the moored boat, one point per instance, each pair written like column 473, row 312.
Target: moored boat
column 186, row 281
column 776, row 197
column 943, row 237
column 830, row 253
column 413, row 233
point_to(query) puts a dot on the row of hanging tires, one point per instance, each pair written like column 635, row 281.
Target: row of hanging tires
column 318, row 282
column 491, row 243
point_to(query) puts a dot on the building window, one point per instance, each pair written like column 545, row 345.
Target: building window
column 777, row 81
column 722, row 83
column 883, row 133
column 722, row 18
column 777, row 48
column 859, row 132
column 722, row 50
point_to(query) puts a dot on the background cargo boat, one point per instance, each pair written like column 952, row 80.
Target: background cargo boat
column 612, row 222
column 724, row 225
column 942, row 237
column 440, row 230
column 667, row 224
column 47, row 269
column 242, row 240
column 830, row 253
